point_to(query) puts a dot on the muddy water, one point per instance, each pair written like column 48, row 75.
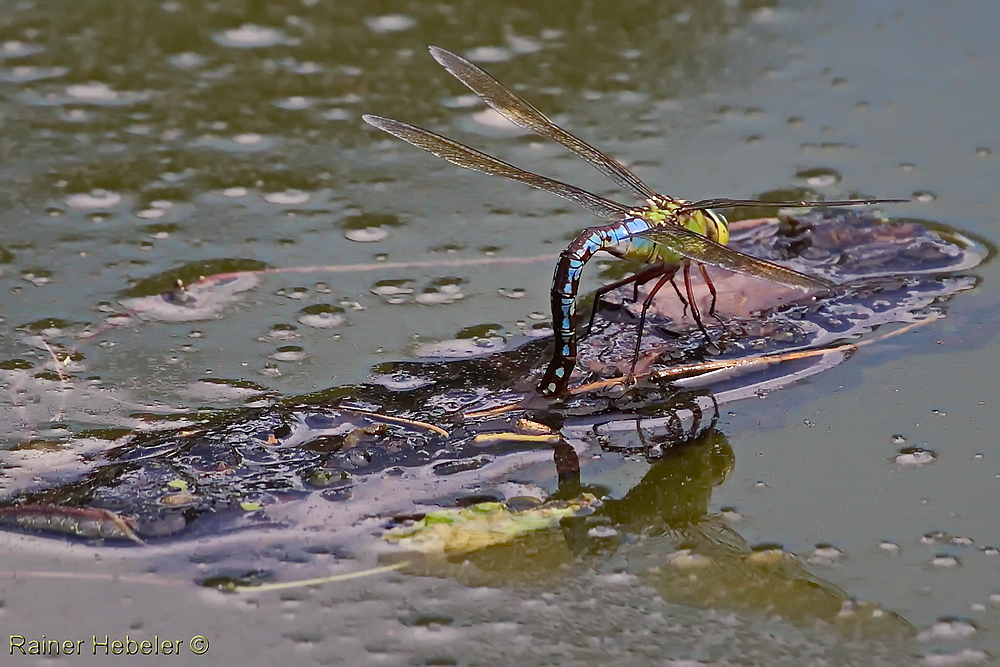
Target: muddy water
column 144, row 138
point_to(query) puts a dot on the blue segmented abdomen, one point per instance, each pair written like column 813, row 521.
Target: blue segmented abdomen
column 565, row 286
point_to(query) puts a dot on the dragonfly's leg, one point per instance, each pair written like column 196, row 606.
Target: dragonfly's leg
column 715, row 294
column 695, row 313
column 668, row 275
column 639, row 278
column 680, row 297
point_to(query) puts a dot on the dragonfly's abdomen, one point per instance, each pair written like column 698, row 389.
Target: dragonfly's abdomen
column 619, row 239
column 566, row 285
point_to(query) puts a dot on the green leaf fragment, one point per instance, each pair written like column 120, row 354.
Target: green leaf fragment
column 178, row 484
column 467, row 529
column 250, row 507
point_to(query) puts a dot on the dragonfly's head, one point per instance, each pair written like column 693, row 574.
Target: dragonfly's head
column 667, row 210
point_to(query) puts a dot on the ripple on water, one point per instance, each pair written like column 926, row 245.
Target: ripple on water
column 250, row 36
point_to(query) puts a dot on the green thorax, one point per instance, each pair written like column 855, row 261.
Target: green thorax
column 667, row 211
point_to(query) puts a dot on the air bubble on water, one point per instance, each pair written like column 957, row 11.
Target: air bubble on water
column 966, row 656
column 890, row 548
column 462, row 101
column 948, row 629
column 819, row 177
column 493, row 120
column 16, row 49
column 322, row 316
column 898, row 440
column 294, row 293
column 186, row 60
column 336, row 114
column 37, row 277
column 401, row 381
column 457, row 348
column 212, row 389
column 389, row 23
column 288, row 197
column 366, row 235
column 687, row 559
column 438, row 295
column 235, row 192
column 250, row 36
column 248, row 138
column 270, row 370
column 100, row 94
column 295, row 103
column 282, row 333
column 825, row 554
column 150, row 214
column 515, row 293
column 914, row 457
column 97, row 198
column 731, row 514
column 982, row 151
column 923, row 196
column 289, row 353
column 602, row 532
column 488, row 54
column 393, row 291
column 25, row 73
column 945, row 561
column 537, row 315
column 247, row 142
column 769, row 554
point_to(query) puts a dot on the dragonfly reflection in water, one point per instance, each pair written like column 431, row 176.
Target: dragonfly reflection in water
column 666, row 233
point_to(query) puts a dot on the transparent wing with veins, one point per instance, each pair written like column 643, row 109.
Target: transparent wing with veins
column 703, row 250
column 519, row 111
column 470, row 158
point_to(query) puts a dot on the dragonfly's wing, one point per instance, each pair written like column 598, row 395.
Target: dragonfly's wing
column 517, row 110
column 470, row 158
column 705, row 251
column 724, row 202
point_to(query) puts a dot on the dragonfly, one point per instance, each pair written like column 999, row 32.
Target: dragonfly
column 667, row 234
